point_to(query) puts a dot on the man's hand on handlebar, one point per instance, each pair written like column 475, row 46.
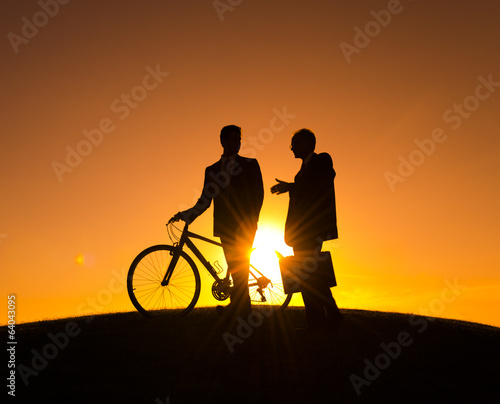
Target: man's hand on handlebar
column 175, row 218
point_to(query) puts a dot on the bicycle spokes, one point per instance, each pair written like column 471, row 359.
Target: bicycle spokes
column 146, row 281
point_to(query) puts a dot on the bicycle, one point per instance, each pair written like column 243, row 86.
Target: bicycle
column 165, row 278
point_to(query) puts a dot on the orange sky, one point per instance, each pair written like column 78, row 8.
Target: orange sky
column 158, row 79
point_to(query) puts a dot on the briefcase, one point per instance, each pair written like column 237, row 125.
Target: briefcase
column 313, row 270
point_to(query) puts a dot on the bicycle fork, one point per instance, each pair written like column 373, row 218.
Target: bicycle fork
column 173, row 262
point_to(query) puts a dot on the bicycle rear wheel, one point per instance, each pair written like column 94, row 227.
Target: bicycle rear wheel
column 146, row 274
column 267, row 291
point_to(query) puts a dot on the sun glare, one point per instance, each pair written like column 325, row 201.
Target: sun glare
column 268, row 240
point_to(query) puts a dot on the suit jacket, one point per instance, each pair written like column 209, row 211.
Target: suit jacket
column 312, row 211
column 237, row 192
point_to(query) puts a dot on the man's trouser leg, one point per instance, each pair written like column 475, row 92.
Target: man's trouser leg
column 314, row 307
column 237, row 253
column 318, row 298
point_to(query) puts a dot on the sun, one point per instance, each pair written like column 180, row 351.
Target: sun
column 267, row 241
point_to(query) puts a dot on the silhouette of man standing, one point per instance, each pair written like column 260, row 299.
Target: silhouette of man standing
column 311, row 220
column 235, row 185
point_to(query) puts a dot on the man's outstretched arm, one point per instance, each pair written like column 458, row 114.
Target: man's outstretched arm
column 203, row 203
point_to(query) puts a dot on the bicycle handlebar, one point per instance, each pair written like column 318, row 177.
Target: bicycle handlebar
column 172, row 220
column 176, row 218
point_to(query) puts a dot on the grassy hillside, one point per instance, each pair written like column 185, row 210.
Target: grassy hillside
column 373, row 358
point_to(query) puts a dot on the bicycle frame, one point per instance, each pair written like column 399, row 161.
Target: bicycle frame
column 185, row 239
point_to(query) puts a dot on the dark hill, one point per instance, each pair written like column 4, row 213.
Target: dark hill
column 385, row 357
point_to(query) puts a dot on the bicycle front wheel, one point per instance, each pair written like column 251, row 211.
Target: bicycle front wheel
column 146, row 275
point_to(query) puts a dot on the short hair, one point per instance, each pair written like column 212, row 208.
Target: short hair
column 307, row 135
column 227, row 130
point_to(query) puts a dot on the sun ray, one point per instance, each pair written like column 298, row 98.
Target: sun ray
column 268, row 240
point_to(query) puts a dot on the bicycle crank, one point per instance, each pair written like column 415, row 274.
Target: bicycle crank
column 221, row 289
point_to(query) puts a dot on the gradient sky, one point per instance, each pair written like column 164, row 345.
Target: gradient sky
column 160, row 78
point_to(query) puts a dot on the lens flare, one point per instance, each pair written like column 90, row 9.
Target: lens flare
column 86, row 260
column 80, row 260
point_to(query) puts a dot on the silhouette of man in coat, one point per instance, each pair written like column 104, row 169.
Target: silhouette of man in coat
column 234, row 183
column 311, row 220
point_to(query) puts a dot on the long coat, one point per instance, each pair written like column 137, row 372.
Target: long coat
column 312, row 213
